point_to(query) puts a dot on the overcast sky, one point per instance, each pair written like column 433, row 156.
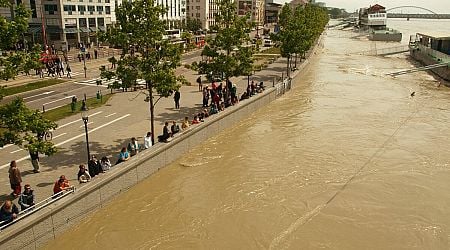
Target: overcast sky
column 438, row 6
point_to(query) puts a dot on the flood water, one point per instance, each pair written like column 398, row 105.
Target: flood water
column 346, row 160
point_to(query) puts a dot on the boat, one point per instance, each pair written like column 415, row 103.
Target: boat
column 374, row 19
column 432, row 50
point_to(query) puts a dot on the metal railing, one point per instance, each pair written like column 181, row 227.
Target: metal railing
column 38, row 206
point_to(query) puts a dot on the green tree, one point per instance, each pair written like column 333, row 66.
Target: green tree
column 193, row 24
column 12, row 32
column 151, row 58
column 21, row 126
column 226, row 54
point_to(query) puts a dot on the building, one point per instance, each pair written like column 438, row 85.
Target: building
column 203, row 10
column 176, row 12
column 255, row 8
column 34, row 33
column 272, row 10
column 295, row 3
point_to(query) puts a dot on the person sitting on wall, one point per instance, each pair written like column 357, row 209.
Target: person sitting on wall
column 105, row 164
column 94, row 167
column 185, row 124
column 148, row 140
column 83, row 175
column 174, row 128
column 133, row 147
column 261, row 87
column 213, row 110
column 60, row 185
column 195, row 120
column 166, row 134
column 123, row 155
column 26, row 199
column 8, row 212
column 244, row 96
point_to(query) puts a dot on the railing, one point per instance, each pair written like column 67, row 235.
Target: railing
column 38, row 206
column 385, row 51
column 437, row 55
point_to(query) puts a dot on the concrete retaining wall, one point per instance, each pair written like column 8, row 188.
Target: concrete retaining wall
column 44, row 225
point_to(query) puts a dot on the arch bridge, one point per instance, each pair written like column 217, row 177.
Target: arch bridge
column 429, row 15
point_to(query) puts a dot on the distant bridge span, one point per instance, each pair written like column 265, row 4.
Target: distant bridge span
column 430, row 15
column 411, row 6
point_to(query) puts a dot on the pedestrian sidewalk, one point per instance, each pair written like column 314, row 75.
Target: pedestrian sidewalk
column 113, row 137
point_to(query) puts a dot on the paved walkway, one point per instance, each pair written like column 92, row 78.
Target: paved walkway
column 125, row 116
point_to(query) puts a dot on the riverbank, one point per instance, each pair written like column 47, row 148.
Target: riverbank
column 46, row 224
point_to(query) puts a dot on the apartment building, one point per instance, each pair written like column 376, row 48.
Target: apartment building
column 256, row 8
column 176, row 12
column 203, row 10
column 35, row 22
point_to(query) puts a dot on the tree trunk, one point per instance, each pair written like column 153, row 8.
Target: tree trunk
column 295, row 62
column 152, row 110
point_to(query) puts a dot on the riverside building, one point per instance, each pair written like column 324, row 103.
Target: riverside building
column 204, row 11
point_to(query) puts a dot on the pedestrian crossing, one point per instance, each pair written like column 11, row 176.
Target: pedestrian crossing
column 105, row 82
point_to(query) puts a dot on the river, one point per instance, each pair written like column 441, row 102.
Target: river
column 346, row 160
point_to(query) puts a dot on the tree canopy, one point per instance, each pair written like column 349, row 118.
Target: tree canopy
column 299, row 28
column 227, row 54
column 21, row 126
column 145, row 54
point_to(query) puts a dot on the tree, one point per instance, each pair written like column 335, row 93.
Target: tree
column 193, row 24
column 226, row 54
column 145, row 55
column 21, row 126
column 12, row 32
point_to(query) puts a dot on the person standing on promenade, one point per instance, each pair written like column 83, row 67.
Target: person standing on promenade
column 68, row 70
column 200, row 85
column 15, row 179
column 34, row 155
column 177, row 97
column 26, row 199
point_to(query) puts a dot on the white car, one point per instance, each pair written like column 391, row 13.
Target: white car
column 268, row 43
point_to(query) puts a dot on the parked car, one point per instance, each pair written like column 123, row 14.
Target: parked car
column 268, row 43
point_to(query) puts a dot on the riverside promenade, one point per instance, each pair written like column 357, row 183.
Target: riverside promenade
column 131, row 119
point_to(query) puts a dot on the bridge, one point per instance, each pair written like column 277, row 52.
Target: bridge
column 429, row 15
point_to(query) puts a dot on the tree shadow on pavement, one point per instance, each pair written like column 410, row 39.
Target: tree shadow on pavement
column 178, row 115
column 44, row 184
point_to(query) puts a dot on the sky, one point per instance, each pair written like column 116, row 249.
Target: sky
column 438, row 6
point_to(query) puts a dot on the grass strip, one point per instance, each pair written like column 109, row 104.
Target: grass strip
column 273, row 50
column 30, row 86
column 66, row 111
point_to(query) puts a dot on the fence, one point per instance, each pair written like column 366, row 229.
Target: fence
column 38, row 206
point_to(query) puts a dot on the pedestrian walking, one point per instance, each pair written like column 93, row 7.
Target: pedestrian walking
column 95, row 53
column 199, row 81
column 176, row 98
column 34, row 155
column 15, row 179
column 68, row 70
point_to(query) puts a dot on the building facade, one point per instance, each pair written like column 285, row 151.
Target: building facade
column 176, row 12
column 272, row 10
column 204, row 11
column 255, row 8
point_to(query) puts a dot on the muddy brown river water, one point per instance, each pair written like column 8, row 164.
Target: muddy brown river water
column 346, row 160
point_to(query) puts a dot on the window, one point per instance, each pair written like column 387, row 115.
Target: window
column 91, row 9
column 107, row 1
column 33, row 8
column 197, row 7
column 101, row 22
column 81, row 9
column 51, row 8
column 99, row 8
column 197, row 15
column 91, row 22
column 99, row 1
column 82, row 22
column 107, row 10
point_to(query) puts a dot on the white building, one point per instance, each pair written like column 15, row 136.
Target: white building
column 176, row 12
column 256, row 8
column 203, row 10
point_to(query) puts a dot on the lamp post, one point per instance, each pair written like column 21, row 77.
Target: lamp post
column 85, row 118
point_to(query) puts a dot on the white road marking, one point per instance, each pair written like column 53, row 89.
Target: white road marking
column 15, row 151
column 67, row 97
column 87, row 124
column 55, row 107
column 45, row 93
column 67, row 124
column 54, row 137
column 6, row 146
column 73, row 138
column 103, row 86
column 110, row 115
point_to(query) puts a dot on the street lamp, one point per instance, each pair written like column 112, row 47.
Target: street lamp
column 85, row 118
